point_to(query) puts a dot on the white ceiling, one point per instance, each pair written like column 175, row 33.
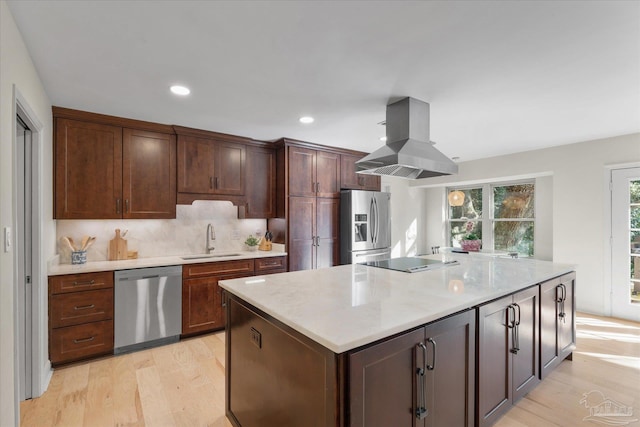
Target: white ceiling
column 500, row 76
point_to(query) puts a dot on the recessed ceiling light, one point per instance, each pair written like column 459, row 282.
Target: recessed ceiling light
column 383, row 138
column 180, row 90
column 455, row 158
column 306, row 120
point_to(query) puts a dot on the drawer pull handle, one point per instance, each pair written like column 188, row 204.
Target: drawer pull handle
column 83, row 340
column 84, row 283
column 266, row 264
column 84, row 307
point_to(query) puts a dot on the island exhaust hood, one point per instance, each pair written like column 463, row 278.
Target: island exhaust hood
column 408, row 152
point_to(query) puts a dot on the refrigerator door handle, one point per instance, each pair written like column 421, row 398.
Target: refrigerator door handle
column 377, row 220
column 372, row 213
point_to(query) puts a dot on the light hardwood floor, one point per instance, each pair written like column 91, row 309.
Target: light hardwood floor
column 183, row 384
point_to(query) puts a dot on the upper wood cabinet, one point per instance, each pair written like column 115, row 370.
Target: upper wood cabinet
column 351, row 180
column 313, row 173
column 207, row 166
column 260, row 182
column 105, row 171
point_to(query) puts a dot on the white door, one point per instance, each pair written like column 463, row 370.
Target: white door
column 625, row 243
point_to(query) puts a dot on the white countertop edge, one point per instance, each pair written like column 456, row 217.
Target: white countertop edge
column 343, row 346
column 97, row 266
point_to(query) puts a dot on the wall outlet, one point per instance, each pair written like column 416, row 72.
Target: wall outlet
column 235, row 234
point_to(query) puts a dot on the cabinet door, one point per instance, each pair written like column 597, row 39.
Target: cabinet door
column 494, row 361
column 327, row 232
column 567, row 319
column 201, row 305
column 302, row 226
column 302, row 171
column 549, row 311
column 383, row 383
column 450, row 383
column 525, row 360
column 228, row 174
column 88, row 170
column 261, row 184
column 327, row 174
column 148, row 174
column 349, row 179
column 195, row 165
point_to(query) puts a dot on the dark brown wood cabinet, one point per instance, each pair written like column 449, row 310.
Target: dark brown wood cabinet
column 313, row 232
column 313, row 173
column 210, row 166
column 351, row 180
column 80, row 316
column 260, row 184
column 508, row 353
column 557, row 322
column 202, row 301
column 107, row 168
column 425, row 377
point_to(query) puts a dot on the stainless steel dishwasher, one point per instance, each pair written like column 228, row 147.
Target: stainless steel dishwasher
column 147, row 307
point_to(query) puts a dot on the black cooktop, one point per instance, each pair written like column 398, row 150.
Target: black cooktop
column 410, row 264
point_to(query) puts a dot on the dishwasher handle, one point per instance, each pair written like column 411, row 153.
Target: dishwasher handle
column 148, row 273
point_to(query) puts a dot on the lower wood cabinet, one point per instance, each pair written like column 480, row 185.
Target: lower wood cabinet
column 203, row 304
column 557, row 322
column 507, row 353
column 424, row 377
column 80, row 316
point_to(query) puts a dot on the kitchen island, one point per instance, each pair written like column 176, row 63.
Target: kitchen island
column 358, row 345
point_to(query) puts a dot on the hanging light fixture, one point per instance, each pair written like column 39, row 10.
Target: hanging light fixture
column 456, row 198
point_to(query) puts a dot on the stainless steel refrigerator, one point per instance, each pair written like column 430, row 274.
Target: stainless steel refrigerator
column 365, row 226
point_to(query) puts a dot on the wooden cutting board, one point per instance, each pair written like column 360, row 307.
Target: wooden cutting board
column 117, row 247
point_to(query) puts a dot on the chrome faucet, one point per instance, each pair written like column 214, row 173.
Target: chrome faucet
column 211, row 236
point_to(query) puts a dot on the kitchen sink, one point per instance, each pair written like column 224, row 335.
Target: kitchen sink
column 204, row 256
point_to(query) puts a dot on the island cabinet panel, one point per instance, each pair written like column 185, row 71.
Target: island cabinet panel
column 557, row 322
column 421, row 378
column 351, row 180
column 276, row 377
column 508, row 346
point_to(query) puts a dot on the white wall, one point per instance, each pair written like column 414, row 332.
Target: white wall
column 17, row 71
column 579, row 193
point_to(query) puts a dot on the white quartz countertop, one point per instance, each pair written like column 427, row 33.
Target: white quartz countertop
column 346, row 307
column 90, row 267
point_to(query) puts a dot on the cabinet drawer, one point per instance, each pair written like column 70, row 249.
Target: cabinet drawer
column 82, row 341
column 80, row 282
column 217, row 268
column 81, row 307
column 268, row 264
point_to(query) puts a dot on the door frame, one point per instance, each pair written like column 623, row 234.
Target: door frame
column 608, row 235
column 40, row 365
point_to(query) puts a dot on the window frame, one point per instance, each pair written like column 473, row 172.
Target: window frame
column 488, row 220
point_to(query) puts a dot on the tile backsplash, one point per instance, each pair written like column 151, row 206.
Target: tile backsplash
column 165, row 237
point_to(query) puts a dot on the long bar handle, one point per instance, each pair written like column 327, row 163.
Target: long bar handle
column 118, row 205
column 421, row 398
column 515, row 331
column 84, row 307
column 561, row 300
column 433, row 344
column 126, row 205
column 81, row 340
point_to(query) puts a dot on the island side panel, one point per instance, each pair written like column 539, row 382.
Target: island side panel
column 274, row 375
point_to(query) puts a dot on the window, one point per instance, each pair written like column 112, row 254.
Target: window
column 508, row 225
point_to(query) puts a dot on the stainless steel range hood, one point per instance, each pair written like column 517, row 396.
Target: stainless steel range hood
column 408, row 152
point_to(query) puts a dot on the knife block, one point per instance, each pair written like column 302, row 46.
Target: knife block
column 117, row 247
column 265, row 245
